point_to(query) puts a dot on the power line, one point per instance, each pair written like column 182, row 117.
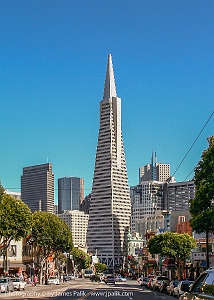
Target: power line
column 193, row 143
column 86, row 189
column 188, row 175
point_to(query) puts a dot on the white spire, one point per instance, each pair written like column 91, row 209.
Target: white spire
column 110, row 87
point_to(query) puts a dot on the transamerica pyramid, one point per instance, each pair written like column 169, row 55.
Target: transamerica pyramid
column 110, row 207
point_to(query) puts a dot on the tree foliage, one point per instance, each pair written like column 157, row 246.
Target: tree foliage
column 172, row 245
column 50, row 236
column 15, row 220
column 1, row 190
column 51, row 233
column 100, row 268
column 81, row 259
column 202, row 206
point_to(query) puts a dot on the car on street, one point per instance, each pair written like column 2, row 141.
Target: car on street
column 71, row 276
column 156, row 281
column 182, row 287
column 150, row 280
column 202, row 288
column 53, row 280
column 144, row 281
column 170, row 288
column 109, row 279
column 162, row 285
column 88, row 273
column 6, row 285
column 95, row 277
column 66, row 278
column 18, row 283
column 120, row 278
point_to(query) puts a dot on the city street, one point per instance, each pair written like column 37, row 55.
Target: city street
column 80, row 289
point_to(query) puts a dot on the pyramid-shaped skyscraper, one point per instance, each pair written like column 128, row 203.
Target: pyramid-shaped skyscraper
column 110, row 208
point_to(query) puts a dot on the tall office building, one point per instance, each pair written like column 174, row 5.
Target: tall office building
column 151, row 197
column 146, row 199
column 154, row 171
column 177, row 195
column 37, row 187
column 70, row 193
column 110, row 207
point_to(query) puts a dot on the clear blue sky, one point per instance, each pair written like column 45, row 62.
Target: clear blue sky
column 53, row 57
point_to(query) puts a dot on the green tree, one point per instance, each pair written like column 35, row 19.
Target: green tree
column 15, row 221
column 60, row 259
column 81, row 259
column 50, row 235
column 173, row 245
column 1, row 190
column 202, row 206
column 100, row 268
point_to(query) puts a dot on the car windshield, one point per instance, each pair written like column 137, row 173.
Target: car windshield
column 2, row 280
column 15, row 279
column 186, row 282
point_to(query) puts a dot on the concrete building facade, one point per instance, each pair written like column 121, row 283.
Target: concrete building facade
column 146, row 199
column 154, row 171
column 37, row 187
column 110, row 207
column 151, row 198
column 178, row 194
column 78, row 224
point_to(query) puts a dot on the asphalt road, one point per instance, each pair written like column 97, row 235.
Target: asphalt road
column 80, row 289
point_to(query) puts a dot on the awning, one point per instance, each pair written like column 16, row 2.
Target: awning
column 17, row 266
column 151, row 264
column 168, row 262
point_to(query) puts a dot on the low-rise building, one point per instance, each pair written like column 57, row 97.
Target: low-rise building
column 78, row 224
column 11, row 262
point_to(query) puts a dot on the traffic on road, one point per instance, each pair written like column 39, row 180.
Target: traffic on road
column 114, row 287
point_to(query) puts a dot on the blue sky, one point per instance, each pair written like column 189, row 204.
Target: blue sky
column 53, row 59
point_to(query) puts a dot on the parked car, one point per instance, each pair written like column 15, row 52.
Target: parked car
column 53, row 280
column 95, row 278
column 202, row 288
column 120, row 278
column 144, row 281
column 149, row 282
column 171, row 286
column 87, row 273
column 162, row 285
column 71, row 276
column 109, row 279
column 156, row 281
column 66, row 277
column 6, row 285
column 183, row 286
column 18, row 284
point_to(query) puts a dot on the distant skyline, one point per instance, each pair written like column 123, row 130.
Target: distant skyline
column 53, row 59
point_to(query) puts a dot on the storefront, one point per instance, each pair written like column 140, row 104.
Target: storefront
column 13, row 268
column 168, row 267
column 150, row 267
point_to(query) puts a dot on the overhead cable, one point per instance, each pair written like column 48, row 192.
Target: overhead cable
column 193, row 143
